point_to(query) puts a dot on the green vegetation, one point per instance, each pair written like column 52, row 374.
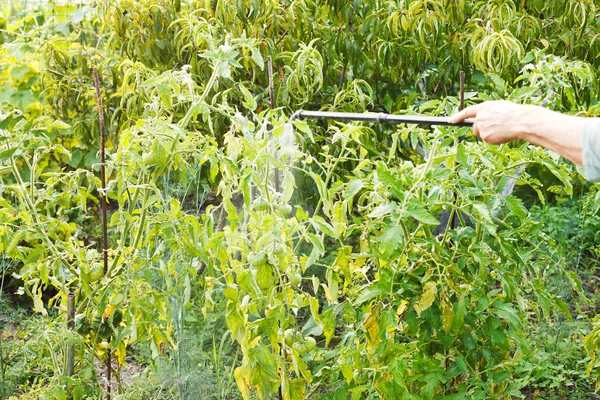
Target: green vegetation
column 254, row 257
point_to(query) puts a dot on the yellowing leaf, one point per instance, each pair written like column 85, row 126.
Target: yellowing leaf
column 447, row 315
column 121, row 352
column 427, row 298
column 294, row 389
column 109, row 310
column 401, row 307
column 371, row 325
column 242, row 377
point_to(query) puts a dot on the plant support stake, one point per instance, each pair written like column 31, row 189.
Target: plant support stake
column 380, row 118
column 103, row 206
column 71, row 326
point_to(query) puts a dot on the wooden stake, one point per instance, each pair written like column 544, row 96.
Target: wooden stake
column 103, row 206
column 71, row 326
column 272, row 103
column 271, row 82
column 462, row 91
column 102, row 171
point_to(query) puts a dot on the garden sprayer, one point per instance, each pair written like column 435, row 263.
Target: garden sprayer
column 378, row 117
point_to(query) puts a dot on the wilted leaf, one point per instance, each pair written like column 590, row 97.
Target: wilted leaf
column 427, row 298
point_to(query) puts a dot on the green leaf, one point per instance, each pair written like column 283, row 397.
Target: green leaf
column 391, row 239
column 257, row 58
column 384, row 175
column 366, row 294
column 563, row 308
column 499, row 339
column 563, row 176
column 461, row 155
column 352, row 188
column 516, row 207
column 235, row 321
column 7, row 154
column 484, row 216
column 460, row 311
column 507, row 312
column 249, row 100
column 246, row 280
column 416, row 210
column 312, row 328
column 22, row 100
column 303, row 127
column 265, row 276
column 381, row 210
column 317, row 242
column 289, row 183
column 294, row 389
column 323, row 192
column 323, row 226
column 314, row 255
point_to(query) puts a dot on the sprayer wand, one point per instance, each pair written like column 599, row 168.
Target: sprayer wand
column 380, row 118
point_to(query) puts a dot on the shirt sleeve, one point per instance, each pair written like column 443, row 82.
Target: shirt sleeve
column 590, row 145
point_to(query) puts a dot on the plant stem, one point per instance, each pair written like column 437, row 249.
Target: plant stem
column 138, row 237
column 38, row 223
column 328, row 177
column 188, row 116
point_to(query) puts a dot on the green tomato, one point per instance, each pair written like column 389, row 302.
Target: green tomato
column 97, row 321
column 292, row 336
column 117, row 317
column 96, row 273
column 260, row 204
column 258, row 260
column 360, row 377
column 82, row 325
column 284, row 209
column 295, row 279
column 105, row 331
column 305, row 346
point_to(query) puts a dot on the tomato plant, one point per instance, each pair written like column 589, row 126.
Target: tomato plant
column 348, row 261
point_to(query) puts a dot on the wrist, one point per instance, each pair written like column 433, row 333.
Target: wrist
column 530, row 121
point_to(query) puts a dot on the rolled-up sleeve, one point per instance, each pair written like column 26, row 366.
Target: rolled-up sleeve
column 590, row 145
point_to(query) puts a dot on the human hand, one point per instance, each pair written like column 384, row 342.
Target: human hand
column 496, row 122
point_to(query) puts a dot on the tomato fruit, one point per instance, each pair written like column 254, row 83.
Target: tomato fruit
column 284, row 209
column 260, row 204
column 96, row 273
column 307, row 345
column 257, row 260
column 292, row 336
column 295, row 279
column 82, row 325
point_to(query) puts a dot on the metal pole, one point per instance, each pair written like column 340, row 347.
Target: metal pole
column 71, row 326
column 380, row 118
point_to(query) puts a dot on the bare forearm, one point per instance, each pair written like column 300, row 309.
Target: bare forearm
column 554, row 131
column 575, row 138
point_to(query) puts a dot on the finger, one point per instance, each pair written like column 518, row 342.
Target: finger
column 475, row 129
column 469, row 112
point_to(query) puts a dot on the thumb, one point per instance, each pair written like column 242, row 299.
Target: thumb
column 469, row 112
